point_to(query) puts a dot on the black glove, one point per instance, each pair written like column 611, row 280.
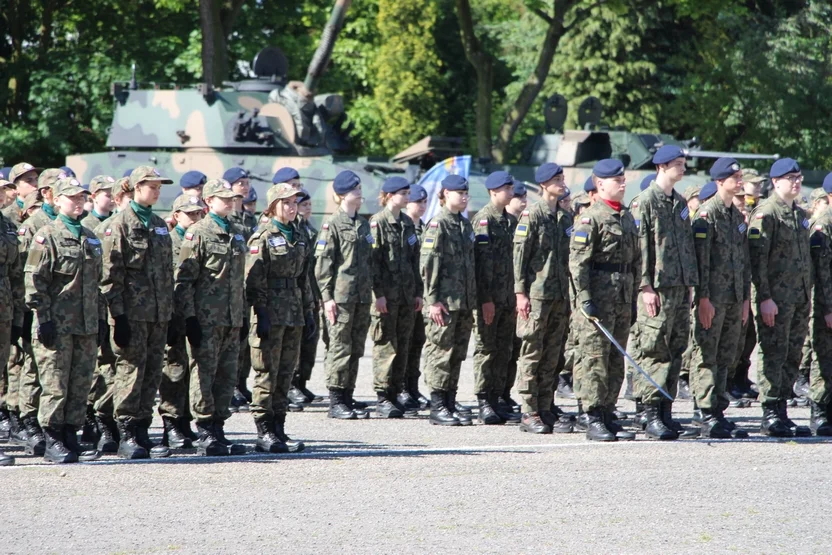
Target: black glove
column 193, row 331
column 590, row 309
column 174, row 331
column 47, row 333
column 103, row 332
column 264, row 323
column 634, row 313
column 244, row 330
column 28, row 318
column 310, row 326
column 17, row 331
column 121, row 331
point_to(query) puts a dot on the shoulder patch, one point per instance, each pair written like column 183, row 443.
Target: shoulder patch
column 818, row 227
column 254, row 249
column 525, row 213
column 429, row 242
column 685, row 213
column 325, row 226
column 373, row 225
column 569, row 231
column 581, row 237
column 189, row 236
column 586, row 220
column 483, row 223
column 40, row 239
column 434, row 224
column 703, row 214
column 742, row 227
column 634, row 204
column 759, row 216
column 753, row 233
column 21, row 231
column 521, row 231
column 108, row 232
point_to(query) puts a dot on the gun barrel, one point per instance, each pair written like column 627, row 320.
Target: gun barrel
column 322, row 55
column 737, row 155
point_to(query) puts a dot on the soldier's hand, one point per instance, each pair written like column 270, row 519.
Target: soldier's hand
column 17, row 332
column 706, row 313
column 651, row 301
column 264, row 322
column 47, row 333
column 746, row 310
column 310, row 326
column 768, row 309
column 436, row 313
column 590, row 310
column 121, row 333
column 488, row 313
column 331, row 310
column 103, row 332
column 193, row 331
column 418, row 303
column 523, row 306
column 381, row 305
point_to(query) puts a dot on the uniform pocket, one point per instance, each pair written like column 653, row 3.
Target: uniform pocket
column 136, row 253
column 528, row 328
column 216, row 254
column 377, row 330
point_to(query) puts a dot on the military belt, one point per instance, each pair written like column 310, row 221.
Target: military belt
column 283, row 283
column 610, row 267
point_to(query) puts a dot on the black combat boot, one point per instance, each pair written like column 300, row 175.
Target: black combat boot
column 505, row 399
column 412, row 387
column 406, row 400
column 613, row 426
column 18, row 434
column 294, row 445
column 565, row 386
column 128, row 447
column 6, row 460
column 5, row 425
column 655, row 427
column 54, row 450
column 71, row 443
column 239, row 403
column 465, row 416
column 267, row 440
column 242, row 388
column 173, row 436
column 640, row 417
column 820, row 420
column 36, row 444
column 107, row 440
column 359, row 408
column 234, row 449
column 532, row 423
column 143, row 438
column 736, row 432
column 207, row 444
column 439, row 413
column 801, row 385
column 797, row 431
column 666, row 408
column 712, row 427
column 296, row 396
column 337, row 407
column 89, row 433
column 487, row 414
column 308, row 395
column 628, row 391
column 184, row 425
column 503, row 410
column 582, row 421
column 683, row 391
column 385, row 408
column 597, row 429
column 558, row 425
column 771, row 424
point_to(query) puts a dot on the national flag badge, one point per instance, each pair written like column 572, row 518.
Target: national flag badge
column 581, row 237
column 483, row 223
column 635, row 204
column 325, row 226
column 373, row 225
column 522, row 230
column 40, row 239
column 429, row 241
column 525, row 213
column 108, row 232
column 21, row 231
column 703, row 214
column 586, row 220
column 254, row 250
column 759, row 216
column 434, row 224
column 818, row 227
column 189, row 236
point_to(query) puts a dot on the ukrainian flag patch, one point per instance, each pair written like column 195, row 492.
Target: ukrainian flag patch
column 700, row 232
column 522, row 230
column 581, row 236
column 319, row 246
column 754, row 233
column 429, row 241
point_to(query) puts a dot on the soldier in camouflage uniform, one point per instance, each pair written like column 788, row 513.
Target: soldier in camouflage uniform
column 343, row 272
column 61, row 274
column 781, row 271
column 101, row 191
column 541, row 287
column 692, row 196
column 24, row 176
column 277, row 287
column 668, row 272
column 605, row 263
column 137, row 281
column 397, row 293
column 721, row 297
column 209, row 293
column 495, row 317
column 447, row 266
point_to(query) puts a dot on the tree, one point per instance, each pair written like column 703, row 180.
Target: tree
column 483, row 63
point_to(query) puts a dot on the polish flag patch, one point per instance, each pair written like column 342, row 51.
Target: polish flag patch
column 108, row 232
column 434, row 224
column 373, row 225
column 483, row 223
column 703, row 214
column 325, row 226
column 585, row 220
column 40, row 239
column 189, row 236
column 254, row 250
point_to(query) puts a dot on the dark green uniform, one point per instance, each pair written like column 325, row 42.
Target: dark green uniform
column 417, row 340
column 820, row 382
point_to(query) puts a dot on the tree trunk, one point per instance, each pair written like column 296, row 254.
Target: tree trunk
column 484, row 67
column 214, row 46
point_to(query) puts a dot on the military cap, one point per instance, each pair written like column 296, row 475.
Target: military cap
column 819, row 192
column 20, row 169
column 344, row 182
column 827, row 183
column 750, row 175
column 566, row 193
column 48, row 178
column 122, row 184
column 5, row 183
column 5, row 172
column 609, row 167
column 417, row 193
column 101, row 183
column 647, row 181
column 67, row 186
column 708, row 190
column 68, row 171
column 455, row 183
column 724, row 168
column 281, row 191
column 692, row 191
column 802, row 201
column 589, row 185
column 219, row 188
column 519, row 189
column 783, row 166
column 127, row 172
column 32, row 200
column 497, row 179
column 303, row 195
column 285, row 175
column 187, row 203
column 251, row 196
column 232, row 175
column 667, row 154
column 547, row 171
column 394, row 185
column 147, row 173
column 192, row 179
column 581, row 199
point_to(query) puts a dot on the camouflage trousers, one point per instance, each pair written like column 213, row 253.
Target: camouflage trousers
column 662, row 341
column 5, row 356
column 714, row 352
column 807, row 356
column 391, row 334
column 14, row 366
column 274, row 361
column 103, row 386
column 780, row 350
column 511, row 373
column 446, row 348
column 243, row 361
column 214, row 372
column 65, row 372
column 689, row 356
column 747, row 343
column 139, row 370
column 308, row 353
column 346, row 344
column 599, row 372
column 417, row 344
column 23, row 390
column 820, row 376
column 176, row 378
column 493, row 349
column 569, row 360
column 543, row 335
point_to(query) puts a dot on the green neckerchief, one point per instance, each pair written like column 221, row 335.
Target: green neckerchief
column 72, row 225
column 49, row 210
column 179, row 231
column 19, row 203
column 286, row 230
column 99, row 216
column 143, row 212
column 222, row 222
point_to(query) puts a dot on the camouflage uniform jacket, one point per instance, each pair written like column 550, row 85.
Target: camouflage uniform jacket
column 12, row 213
column 311, row 238
column 277, row 275
column 343, row 266
column 541, row 252
column 668, row 258
column 778, row 241
column 11, row 275
column 447, row 262
column 605, row 256
column 820, row 243
column 138, row 271
column 62, row 274
column 91, row 221
column 26, row 231
column 245, row 220
column 494, row 254
column 395, row 258
column 210, row 278
column 721, row 253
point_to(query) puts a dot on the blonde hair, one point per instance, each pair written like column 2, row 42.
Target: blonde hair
column 442, row 197
column 383, row 198
column 336, row 198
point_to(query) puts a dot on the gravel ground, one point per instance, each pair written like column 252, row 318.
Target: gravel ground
column 406, row 486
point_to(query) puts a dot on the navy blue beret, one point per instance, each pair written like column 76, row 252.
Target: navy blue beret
column 566, row 193
column 4, row 173
column 667, row 153
column 455, row 183
column 394, row 185
column 284, row 175
column 128, row 172
column 234, row 174
column 344, row 182
column 589, row 185
column 783, row 166
column 304, row 195
column 192, row 179
column 827, row 183
column 497, row 179
column 724, row 168
column 647, row 181
column 417, row 193
column 547, row 171
column 68, row 171
column 251, row 197
column 519, row 189
column 609, row 167
column 708, row 190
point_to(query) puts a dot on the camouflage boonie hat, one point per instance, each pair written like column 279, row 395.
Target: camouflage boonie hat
column 101, row 182
column 219, row 188
column 147, row 173
column 20, row 169
column 187, row 203
column 750, row 175
column 281, row 191
column 817, row 194
column 48, row 178
column 67, row 187
column 580, row 199
column 32, row 200
column 692, row 191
